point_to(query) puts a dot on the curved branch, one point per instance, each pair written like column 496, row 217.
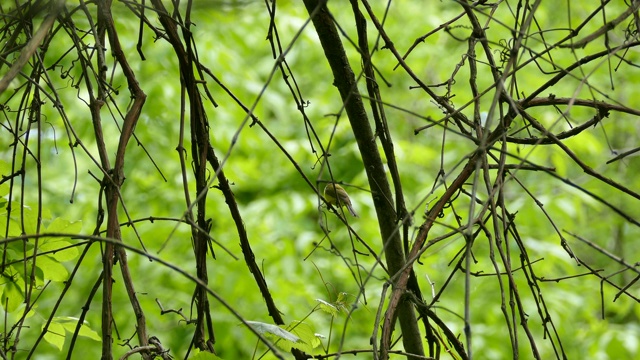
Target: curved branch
column 113, row 194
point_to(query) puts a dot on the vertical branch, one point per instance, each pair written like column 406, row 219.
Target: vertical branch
column 346, row 82
column 204, row 337
column 112, row 190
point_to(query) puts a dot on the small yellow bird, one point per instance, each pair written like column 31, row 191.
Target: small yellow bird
column 336, row 195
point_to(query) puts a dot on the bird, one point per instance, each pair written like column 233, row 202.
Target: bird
column 336, row 195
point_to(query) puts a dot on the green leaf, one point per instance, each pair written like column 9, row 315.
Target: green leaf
column 14, row 224
column 51, row 269
column 342, row 303
column 295, row 335
column 12, row 297
column 264, row 329
column 57, row 331
column 308, row 338
column 55, row 335
column 5, row 170
column 59, row 225
column 70, row 253
column 86, row 331
column 70, row 324
column 327, row 307
column 29, row 219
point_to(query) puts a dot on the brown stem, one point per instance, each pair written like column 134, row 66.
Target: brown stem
column 113, row 185
column 345, row 81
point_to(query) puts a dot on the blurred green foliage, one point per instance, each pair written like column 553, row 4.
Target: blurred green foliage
column 280, row 210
